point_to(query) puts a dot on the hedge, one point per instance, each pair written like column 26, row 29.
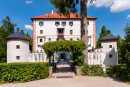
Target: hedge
column 119, row 71
column 23, row 72
column 93, row 70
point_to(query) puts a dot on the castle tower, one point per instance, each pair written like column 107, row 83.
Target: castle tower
column 109, row 46
column 17, row 48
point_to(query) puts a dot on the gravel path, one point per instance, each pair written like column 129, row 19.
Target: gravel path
column 83, row 81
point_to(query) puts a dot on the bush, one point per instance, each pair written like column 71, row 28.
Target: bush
column 80, row 59
column 118, row 71
column 23, row 72
column 93, row 70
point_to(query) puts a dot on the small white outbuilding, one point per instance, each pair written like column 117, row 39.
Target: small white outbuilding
column 17, row 48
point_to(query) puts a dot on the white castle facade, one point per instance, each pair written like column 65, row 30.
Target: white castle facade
column 52, row 27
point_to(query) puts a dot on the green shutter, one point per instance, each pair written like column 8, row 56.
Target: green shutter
column 59, row 23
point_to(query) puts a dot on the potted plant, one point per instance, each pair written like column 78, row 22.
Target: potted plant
column 63, row 24
column 71, row 24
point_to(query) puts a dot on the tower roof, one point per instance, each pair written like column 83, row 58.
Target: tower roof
column 17, row 35
column 108, row 38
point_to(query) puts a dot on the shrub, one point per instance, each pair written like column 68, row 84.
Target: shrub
column 80, row 59
column 118, row 71
column 23, row 72
column 93, row 70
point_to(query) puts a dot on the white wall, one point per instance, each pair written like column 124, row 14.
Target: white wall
column 12, row 52
column 50, row 31
column 102, row 55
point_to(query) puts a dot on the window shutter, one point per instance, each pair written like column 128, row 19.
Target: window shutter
column 65, row 23
column 59, row 23
column 55, row 23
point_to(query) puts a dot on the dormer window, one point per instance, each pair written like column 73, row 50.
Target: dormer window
column 63, row 23
column 71, row 23
column 46, row 15
column 57, row 23
column 41, row 23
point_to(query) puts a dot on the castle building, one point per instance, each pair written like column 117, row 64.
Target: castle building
column 54, row 26
column 17, row 47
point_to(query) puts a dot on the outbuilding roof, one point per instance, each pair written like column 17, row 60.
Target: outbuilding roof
column 17, row 35
column 61, row 16
column 109, row 37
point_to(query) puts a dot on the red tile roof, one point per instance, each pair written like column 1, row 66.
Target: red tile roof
column 61, row 16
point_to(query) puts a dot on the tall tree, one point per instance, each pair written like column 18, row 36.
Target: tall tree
column 66, row 6
column 31, row 41
column 101, row 35
column 3, row 44
column 119, row 45
column 6, row 29
column 8, row 25
column 126, row 45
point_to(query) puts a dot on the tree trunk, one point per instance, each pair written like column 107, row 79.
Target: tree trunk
column 84, row 35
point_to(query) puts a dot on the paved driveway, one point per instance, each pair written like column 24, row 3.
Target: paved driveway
column 83, row 81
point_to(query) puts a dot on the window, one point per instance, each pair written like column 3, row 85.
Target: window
column 71, row 38
column 110, row 46
column 60, row 31
column 17, row 46
column 46, row 15
column 71, row 31
column 57, row 23
column 41, row 40
column 17, row 57
column 71, row 23
column 88, row 23
column 110, row 56
column 41, row 31
column 41, row 23
column 63, row 23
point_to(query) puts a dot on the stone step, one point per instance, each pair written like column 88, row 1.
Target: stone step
column 60, row 77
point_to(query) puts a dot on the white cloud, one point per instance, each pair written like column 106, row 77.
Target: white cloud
column 28, row 2
column 120, row 5
column 114, row 5
column 102, row 3
column 128, row 16
column 28, row 27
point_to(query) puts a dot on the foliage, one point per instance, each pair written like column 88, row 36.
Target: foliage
column 119, row 46
column 3, row 44
column 31, row 41
column 23, row 72
column 119, row 71
column 8, row 25
column 6, row 29
column 66, row 6
column 93, row 70
column 116, row 70
column 76, row 47
column 101, row 35
column 80, row 59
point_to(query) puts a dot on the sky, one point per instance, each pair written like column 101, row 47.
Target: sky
column 114, row 14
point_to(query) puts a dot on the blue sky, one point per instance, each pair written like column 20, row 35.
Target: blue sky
column 114, row 14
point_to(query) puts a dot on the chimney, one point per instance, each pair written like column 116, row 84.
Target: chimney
column 17, row 29
column 108, row 32
column 52, row 11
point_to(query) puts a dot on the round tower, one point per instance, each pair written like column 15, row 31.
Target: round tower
column 17, row 48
